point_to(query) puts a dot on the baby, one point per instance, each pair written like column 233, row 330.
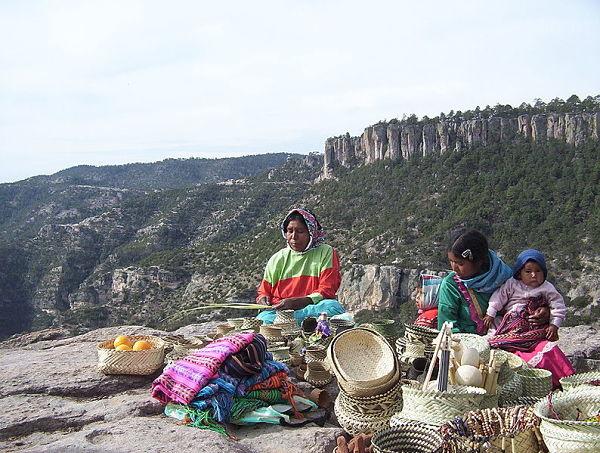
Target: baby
column 521, row 296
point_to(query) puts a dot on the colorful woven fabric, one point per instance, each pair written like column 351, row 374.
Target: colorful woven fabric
column 516, row 332
column 183, row 379
column 475, row 311
column 271, row 396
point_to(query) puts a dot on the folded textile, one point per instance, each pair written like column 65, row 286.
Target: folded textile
column 182, row 380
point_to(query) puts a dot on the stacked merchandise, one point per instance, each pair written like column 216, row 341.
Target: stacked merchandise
column 232, row 380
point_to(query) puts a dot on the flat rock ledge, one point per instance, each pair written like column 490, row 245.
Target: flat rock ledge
column 53, row 399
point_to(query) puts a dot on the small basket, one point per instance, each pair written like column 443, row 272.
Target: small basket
column 318, row 374
column 537, row 382
column 578, row 379
column 356, row 424
column 284, row 317
column 315, row 353
column 251, row 324
column 411, row 437
column 509, row 392
column 111, row 361
column 510, row 363
column 567, row 434
column 436, row 408
column 471, row 340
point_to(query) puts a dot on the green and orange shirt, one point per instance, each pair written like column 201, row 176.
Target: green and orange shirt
column 314, row 274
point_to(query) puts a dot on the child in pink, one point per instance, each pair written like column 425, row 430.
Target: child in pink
column 522, row 296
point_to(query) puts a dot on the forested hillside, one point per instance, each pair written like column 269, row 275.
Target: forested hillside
column 89, row 257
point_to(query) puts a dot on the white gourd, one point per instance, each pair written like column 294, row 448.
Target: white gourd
column 469, row 375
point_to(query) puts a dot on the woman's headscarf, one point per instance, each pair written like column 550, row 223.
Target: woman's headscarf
column 317, row 234
column 489, row 281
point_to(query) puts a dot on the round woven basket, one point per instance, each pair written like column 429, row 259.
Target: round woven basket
column 236, row 322
column 362, row 358
column 370, row 390
column 111, row 361
column 270, row 331
column 411, row 437
column 315, row 353
column 251, row 324
column 318, row 374
column 578, row 379
column 470, row 340
column 356, row 424
column 537, row 382
column 506, row 430
column 224, row 329
column 284, row 317
column 567, row 434
column 435, row 408
column 424, row 334
column 390, row 401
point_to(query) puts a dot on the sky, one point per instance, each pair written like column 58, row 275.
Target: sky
column 111, row 82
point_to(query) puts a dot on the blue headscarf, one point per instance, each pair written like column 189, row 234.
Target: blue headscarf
column 489, row 281
column 530, row 255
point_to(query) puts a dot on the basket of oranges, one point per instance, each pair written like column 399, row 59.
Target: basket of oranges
column 133, row 354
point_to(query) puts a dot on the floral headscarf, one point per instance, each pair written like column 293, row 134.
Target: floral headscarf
column 317, row 234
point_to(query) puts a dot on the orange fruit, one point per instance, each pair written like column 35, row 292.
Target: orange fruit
column 123, row 347
column 142, row 345
column 122, row 339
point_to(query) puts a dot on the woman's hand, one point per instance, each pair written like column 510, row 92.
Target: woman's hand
column 552, row 333
column 264, row 300
column 488, row 321
column 540, row 317
column 293, row 303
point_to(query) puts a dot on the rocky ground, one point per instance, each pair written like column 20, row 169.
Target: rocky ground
column 53, row 399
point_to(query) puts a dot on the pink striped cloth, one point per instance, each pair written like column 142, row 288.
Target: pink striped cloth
column 183, row 379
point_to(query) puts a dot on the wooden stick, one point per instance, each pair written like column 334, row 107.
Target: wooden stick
column 440, row 337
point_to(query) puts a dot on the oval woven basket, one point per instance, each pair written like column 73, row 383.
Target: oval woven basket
column 425, row 334
column 537, row 382
column 436, row 408
column 411, row 437
column 568, row 435
column 370, row 390
column 111, row 361
column 578, row 379
column 251, row 324
column 315, row 353
column 362, row 358
column 478, row 342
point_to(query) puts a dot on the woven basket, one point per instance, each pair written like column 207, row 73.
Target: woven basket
column 356, row 424
column 284, row 317
column 251, row 324
column 390, row 401
column 470, row 340
column 578, row 379
column 509, row 392
column 407, row 437
column 537, row 382
column 511, row 430
column 369, row 390
column 315, row 353
column 362, row 358
column 421, row 333
column 236, row 322
column 567, row 434
column 111, row 361
column 435, row 408
column 224, row 329
column 318, row 374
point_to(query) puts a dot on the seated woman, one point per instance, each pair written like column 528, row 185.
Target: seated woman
column 305, row 275
column 464, row 296
column 464, row 293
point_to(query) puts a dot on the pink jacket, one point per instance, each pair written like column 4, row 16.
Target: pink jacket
column 514, row 294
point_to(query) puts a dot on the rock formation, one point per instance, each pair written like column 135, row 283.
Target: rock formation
column 396, row 141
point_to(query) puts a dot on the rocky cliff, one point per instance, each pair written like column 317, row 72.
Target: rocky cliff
column 396, row 140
